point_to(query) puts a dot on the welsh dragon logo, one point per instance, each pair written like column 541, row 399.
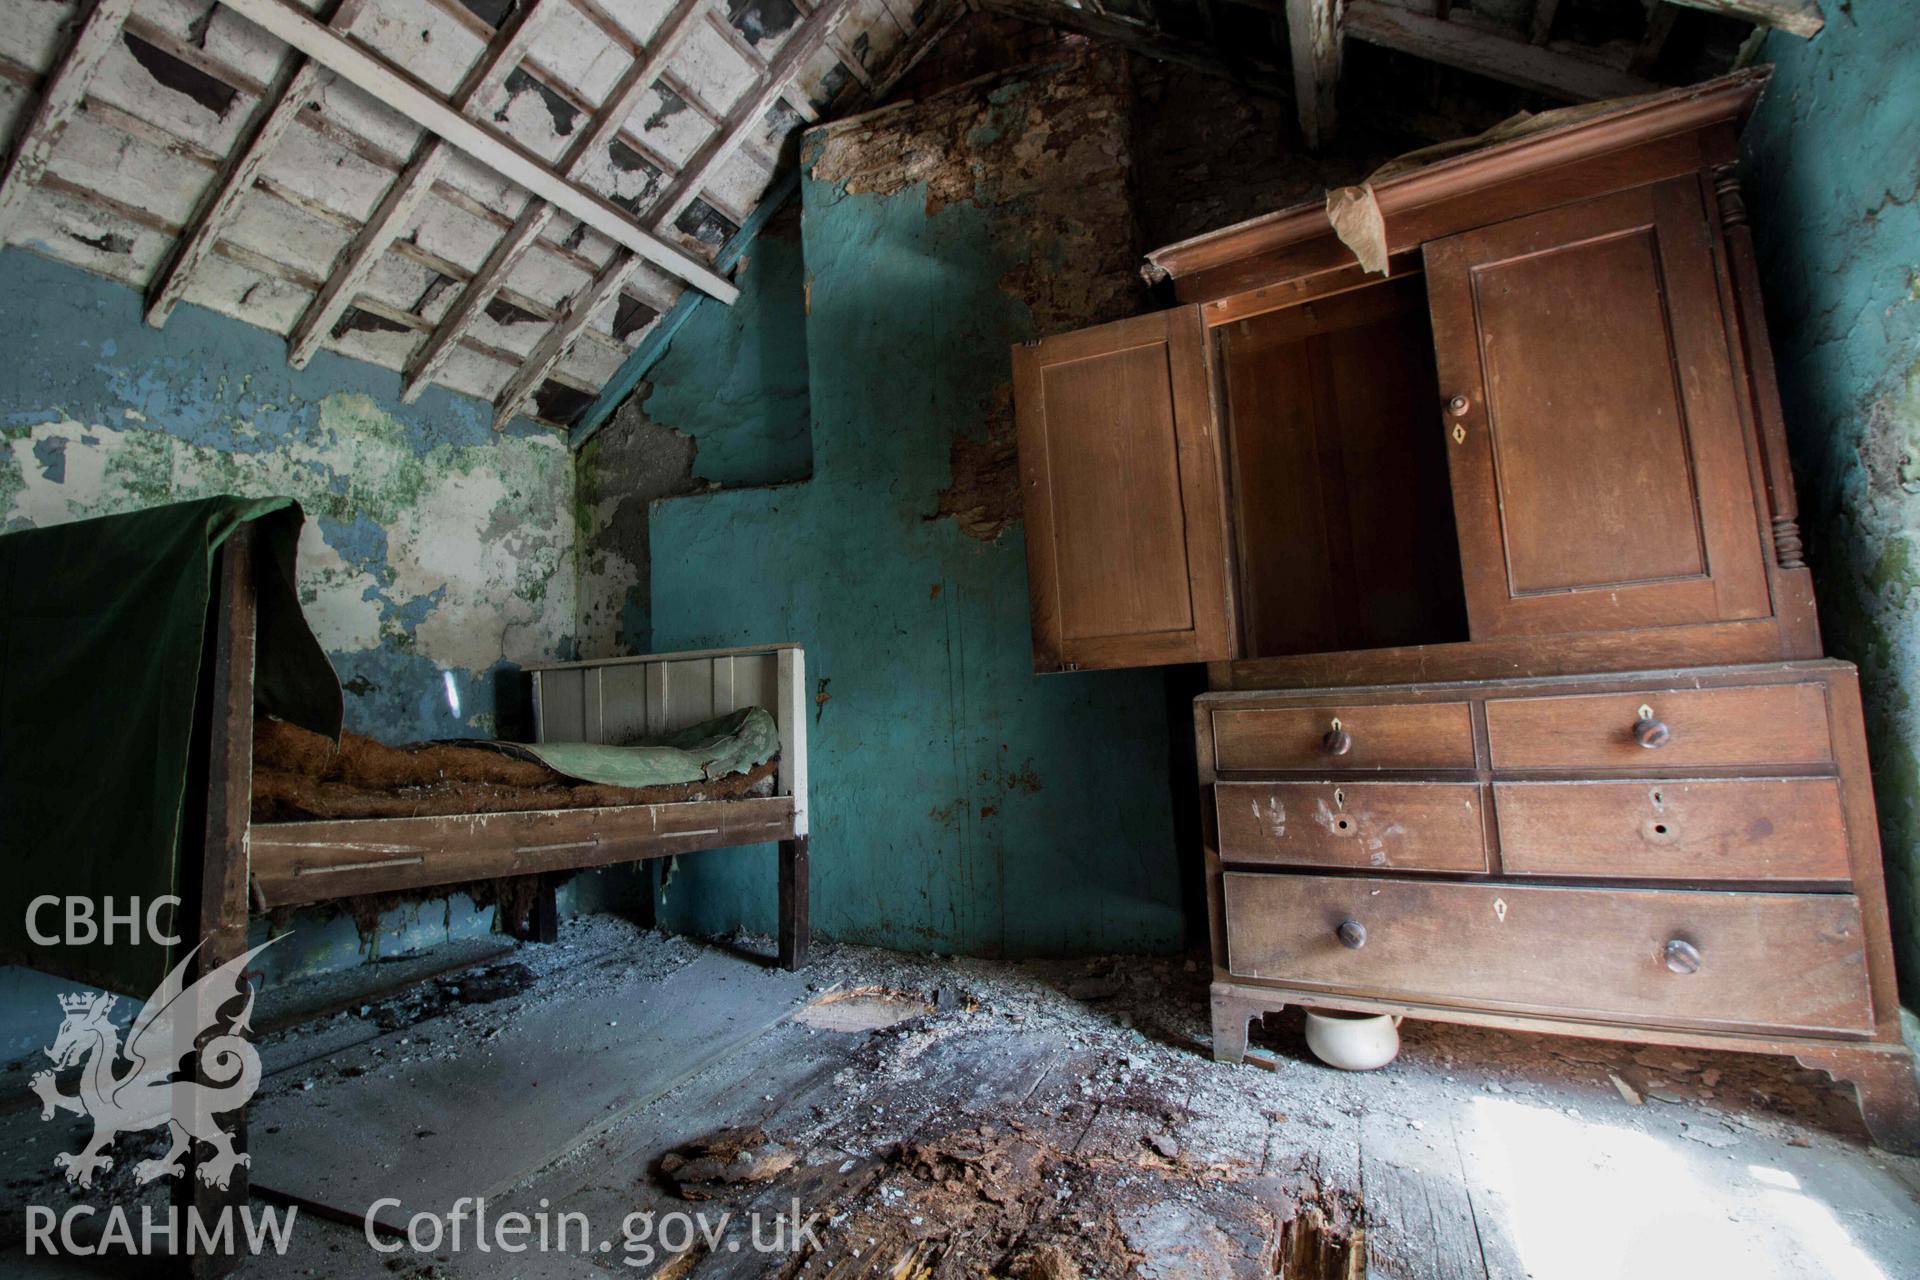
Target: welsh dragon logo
column 169, row 1028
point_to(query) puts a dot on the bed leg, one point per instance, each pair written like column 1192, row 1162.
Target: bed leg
column 795, row 932
column 543, row 921
column 214, row 879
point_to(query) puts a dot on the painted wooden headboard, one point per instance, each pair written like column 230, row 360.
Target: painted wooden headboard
column 622, row 700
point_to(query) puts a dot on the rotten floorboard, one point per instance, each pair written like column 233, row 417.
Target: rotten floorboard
column 964, row 1118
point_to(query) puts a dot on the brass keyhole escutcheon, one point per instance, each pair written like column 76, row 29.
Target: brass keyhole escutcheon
column 1459, row 434
column 1500, row 910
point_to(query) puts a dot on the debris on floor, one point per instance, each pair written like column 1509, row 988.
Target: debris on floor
column 863, row 1009
column 730, row 1158
column 945, row 1117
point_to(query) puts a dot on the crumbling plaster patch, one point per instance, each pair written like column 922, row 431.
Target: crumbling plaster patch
column 433, row 549
column 1052, row 156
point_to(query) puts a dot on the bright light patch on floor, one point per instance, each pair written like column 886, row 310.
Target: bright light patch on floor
column 1594, row 1201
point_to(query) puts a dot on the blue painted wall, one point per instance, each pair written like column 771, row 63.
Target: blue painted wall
column 960, row 803
column 438, row 554
column 750, row 421
column 1833, row 183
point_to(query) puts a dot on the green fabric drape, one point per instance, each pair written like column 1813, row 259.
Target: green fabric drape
column 103, row 624
column 705, row 752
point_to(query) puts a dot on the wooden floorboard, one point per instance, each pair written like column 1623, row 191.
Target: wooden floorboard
column 559, row 1073
column 1420, row 1222
column 1012, row 1120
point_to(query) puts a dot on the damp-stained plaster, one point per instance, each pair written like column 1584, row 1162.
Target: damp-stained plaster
column 739, row 415
column 1833, row 184
column 437, row 555
column 959, row 802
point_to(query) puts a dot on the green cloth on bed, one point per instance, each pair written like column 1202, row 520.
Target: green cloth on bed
column 705, row 752
column 103, row 625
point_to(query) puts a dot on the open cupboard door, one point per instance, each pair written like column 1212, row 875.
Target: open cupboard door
column 1600, row 473
column 1121, row 475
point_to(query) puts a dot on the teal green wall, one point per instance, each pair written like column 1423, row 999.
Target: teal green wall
column 959, row 802
column 749, row 420
column 1833, row 183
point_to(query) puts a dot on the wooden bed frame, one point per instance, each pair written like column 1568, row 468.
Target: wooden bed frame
column 236, row 866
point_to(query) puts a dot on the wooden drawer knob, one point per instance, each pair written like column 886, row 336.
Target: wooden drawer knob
column 1683, row 957
column 1337, row 740
column 1352, row 934
column 1651, row 733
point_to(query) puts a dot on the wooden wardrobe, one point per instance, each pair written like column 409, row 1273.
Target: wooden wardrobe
column 1518, row 712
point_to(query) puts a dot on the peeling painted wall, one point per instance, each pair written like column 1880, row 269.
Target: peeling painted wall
column 1833, row 185
column 437, row 554
column 960, row 803
column 740, row 418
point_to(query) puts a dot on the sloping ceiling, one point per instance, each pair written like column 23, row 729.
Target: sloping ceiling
column 506, row 197
column 1567, row 50
column 372, row 191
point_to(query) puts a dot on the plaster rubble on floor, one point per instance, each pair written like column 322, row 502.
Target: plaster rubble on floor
column 1013, row 1118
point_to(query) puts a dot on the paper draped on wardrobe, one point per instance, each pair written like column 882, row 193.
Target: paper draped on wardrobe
column 1355, row 211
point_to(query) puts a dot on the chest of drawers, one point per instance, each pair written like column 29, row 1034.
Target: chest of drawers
column 1684, row 857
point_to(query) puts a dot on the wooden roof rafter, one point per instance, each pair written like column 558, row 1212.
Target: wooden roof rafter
column 404, row 96
column 808, row 38
column 744, row 119
column 1556, row 71
column 93, row 38
column 279, row 109
column 404, row 197
column 639, row 77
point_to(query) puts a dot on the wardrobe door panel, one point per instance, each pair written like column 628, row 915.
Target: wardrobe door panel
column 1125, row 506
column 1599, row 462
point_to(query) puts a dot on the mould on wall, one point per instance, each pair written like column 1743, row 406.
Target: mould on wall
column 437, row 554
column 1836, row 216
column 627, row 465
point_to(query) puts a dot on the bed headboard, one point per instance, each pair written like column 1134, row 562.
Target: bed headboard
column 619, row 699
